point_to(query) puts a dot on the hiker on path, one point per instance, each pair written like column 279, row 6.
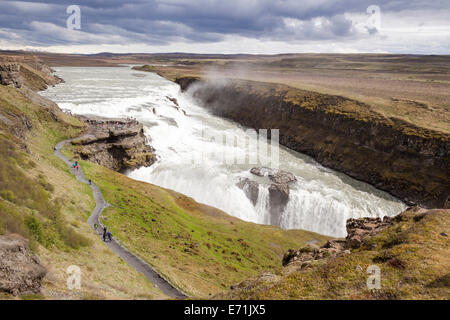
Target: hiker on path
column 95, row 226
column 104, row 234
column 109, row 236
column 90, row 182
column 76, row 167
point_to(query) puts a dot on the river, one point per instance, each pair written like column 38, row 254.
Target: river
column 321, row 200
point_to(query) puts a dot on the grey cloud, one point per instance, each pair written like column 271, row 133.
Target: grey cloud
column 163, row 21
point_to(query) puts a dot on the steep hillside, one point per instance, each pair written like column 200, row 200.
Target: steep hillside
column 41, row 201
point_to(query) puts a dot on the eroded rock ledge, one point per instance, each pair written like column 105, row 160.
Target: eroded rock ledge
column 118, row 144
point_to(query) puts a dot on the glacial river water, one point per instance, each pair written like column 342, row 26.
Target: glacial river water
column 321, row 199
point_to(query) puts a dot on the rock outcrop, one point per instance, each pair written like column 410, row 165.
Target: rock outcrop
column 26, row 71
column 278, row 190
column 20, row 273
column 405, row 160
column 118, row 144
column 411, row 250
column 10, row 74
column 357, row 231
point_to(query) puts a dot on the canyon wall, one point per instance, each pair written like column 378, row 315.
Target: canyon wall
column 407, row 161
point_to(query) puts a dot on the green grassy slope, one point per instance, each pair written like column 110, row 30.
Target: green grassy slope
column 199, row 248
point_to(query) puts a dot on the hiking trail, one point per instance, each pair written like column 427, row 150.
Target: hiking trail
column 134, row 261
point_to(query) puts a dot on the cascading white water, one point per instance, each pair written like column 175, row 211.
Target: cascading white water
column 321, row 200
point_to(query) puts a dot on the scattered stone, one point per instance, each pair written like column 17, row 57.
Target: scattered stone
column 357, row 231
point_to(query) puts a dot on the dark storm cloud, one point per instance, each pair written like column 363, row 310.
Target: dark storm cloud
column 159, row 22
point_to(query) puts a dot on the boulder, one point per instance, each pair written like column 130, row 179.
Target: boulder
column 20, row 273
column 281, row 177
column 358, row 229
column 277, row 176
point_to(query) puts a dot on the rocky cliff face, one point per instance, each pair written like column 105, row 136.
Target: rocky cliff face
column 10, row 74
column 118, row 144
column 409, row 162
column 26, row 70
column 27, row 74
column 20, row 273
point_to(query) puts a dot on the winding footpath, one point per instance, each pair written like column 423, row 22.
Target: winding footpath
column 134, row 261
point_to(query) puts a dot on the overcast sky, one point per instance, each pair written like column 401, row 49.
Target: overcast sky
column 229, row 26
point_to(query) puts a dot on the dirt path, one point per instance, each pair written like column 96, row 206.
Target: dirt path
column 114, row 245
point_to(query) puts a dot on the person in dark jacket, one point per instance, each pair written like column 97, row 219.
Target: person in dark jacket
column 104, row 234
